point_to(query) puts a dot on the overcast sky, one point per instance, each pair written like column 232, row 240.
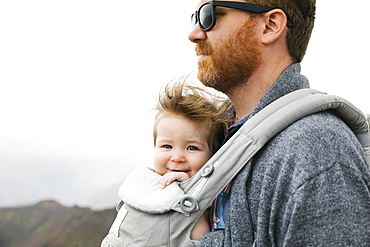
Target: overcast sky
column 79, row 80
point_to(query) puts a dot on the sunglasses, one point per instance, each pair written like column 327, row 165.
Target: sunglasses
column 206, row 16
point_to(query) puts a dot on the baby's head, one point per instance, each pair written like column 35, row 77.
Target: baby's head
column 189, row 128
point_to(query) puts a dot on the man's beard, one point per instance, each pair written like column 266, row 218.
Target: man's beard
column 230, row 62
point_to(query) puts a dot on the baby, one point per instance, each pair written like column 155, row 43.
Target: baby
column 188, row 131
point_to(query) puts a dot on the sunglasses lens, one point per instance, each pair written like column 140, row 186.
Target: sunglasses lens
column 206, row 16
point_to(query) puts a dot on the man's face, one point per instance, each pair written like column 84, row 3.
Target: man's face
column 230, row 52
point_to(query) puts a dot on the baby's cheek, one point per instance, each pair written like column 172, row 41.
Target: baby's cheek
column 159, row 164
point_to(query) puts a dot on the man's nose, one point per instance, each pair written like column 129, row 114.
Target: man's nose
column 197, row 34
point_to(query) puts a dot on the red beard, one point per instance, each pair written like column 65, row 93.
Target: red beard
column 231, row 61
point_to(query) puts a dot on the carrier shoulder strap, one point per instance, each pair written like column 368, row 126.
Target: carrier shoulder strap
column 205, row 185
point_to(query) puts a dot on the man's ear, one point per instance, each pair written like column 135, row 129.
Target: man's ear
column 275, row 26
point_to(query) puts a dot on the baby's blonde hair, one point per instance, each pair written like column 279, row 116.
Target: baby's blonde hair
column 197, row 105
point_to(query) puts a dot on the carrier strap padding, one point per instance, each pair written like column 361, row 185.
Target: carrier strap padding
column 259, row 129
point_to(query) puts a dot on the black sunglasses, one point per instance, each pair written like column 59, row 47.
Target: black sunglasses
column 206, row 16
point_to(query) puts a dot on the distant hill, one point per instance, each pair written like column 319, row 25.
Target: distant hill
column 49, row 224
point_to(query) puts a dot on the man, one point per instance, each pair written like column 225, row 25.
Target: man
column 309, row 185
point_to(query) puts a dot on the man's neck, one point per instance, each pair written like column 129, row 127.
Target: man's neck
column 246, row 96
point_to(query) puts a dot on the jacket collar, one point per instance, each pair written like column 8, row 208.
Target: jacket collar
column 289, row 81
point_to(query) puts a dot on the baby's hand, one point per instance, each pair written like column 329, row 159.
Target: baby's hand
column 168, row 178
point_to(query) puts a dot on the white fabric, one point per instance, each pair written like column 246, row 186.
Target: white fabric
column 141, row 190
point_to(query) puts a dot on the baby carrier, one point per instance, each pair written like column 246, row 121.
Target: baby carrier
column 155, row 217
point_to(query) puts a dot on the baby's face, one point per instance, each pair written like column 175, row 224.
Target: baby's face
column 181, row 146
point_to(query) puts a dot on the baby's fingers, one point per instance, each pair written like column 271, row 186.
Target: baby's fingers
column 166, row 180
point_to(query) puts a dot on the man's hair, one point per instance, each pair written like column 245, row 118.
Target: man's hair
column 197, row 105
column 302, row 14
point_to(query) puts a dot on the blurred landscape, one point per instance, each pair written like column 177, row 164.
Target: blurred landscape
column 50, row 224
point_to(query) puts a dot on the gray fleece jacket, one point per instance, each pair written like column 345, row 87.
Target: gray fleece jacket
column 308, row 186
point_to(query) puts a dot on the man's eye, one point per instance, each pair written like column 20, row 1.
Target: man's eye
column 167, row 146
column 192, row 148
column 219, row 13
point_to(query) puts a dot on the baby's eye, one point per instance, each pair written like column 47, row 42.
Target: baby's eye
column 166, row 146
column 192, row 148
